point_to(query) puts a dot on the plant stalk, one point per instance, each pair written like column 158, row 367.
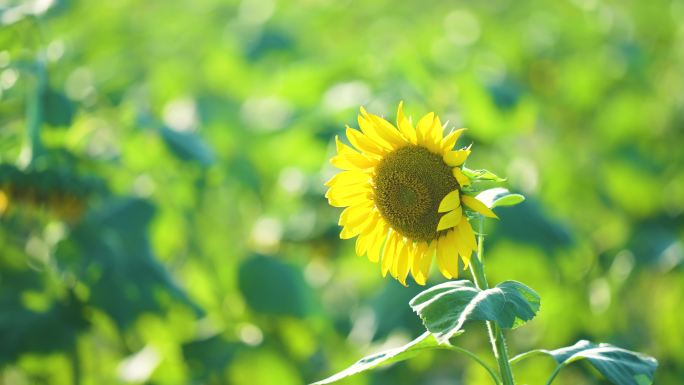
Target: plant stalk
column 477, row 359
column 75, row 364
column 523, row 356
column 34, row 111
column 496, row 336
column 554, row 374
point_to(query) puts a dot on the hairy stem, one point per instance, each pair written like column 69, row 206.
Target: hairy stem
column 496, row 336
column 502, row 356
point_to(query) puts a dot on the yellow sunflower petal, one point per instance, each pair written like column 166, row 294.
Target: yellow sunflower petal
column 419, row 252
column 348, row 159
column 450, row 140
column 434, row 140
column 346, row 178
column 384, row 129
column 467, row 233
column 343, row 163
column 377, row 239
column 426, row 261
column 387, row 130
column 462, row 245
column 388, row 253
column 456, row 158
column 364, row 143
column 478, row 206
column 460, row 177
column 450, row 201
column 464, row 251
column 423, row 128
column 351, row 189
column 371, row 131
column 450, row 219
column 395, row 261
column 349, row 200
column 405, row 125
column 404, row 262
column 355, row 215
column 343, row 196
column 361, row 245
column 352, row 230
column 447, row 257
column 349, row 232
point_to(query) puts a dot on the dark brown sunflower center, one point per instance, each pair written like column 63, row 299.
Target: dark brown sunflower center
column 409, row 185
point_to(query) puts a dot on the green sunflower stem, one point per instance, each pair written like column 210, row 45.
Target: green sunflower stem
column 496, row 336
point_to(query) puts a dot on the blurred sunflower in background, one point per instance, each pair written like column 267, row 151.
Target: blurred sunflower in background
column 405, row 195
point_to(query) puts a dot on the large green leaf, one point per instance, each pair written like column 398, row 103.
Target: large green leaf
column 271, row 286
column 425, row 342
column 24, row 330
column 619, row 366
column 446, row 307
column 109, row 250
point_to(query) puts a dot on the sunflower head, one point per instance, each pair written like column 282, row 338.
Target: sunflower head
column 405, row 195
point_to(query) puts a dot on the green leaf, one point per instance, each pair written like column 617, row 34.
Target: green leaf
column 499, row 196
column 619, row 366
column 24, row 330
column 271, row 286
column 425, row 342
column 110, row 252
column 208, row 356
column 188, row 146
column 58, row 109
column 446, row 307
column 482, row 175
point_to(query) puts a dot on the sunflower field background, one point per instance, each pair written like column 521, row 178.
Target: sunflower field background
column 162, row 217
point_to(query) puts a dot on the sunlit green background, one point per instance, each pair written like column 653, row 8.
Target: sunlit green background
column 162, row 217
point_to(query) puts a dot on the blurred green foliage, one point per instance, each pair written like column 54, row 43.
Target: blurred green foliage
column 161, row 200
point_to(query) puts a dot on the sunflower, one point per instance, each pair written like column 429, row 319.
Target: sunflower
column 405, row 195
